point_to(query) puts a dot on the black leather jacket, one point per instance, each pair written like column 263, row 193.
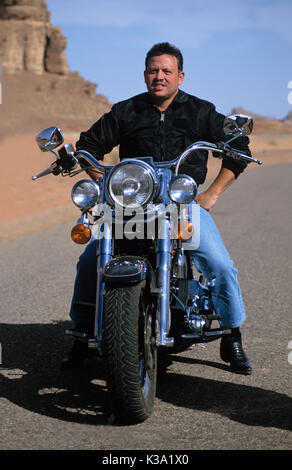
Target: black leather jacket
column 140, row 129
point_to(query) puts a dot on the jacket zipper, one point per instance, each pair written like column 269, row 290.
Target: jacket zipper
column 162, row 136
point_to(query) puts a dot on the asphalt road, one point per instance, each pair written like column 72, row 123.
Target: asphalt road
column 200, row 405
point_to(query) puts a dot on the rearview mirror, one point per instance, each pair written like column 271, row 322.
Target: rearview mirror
column 238, row 124
column 49, row 139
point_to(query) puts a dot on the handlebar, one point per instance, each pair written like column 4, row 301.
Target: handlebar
column 228, row 151
column 221, row 149
column 95, row 163
column 192, row 148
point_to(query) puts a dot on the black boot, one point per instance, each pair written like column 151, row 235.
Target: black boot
column 231, row 350
column 79, row 352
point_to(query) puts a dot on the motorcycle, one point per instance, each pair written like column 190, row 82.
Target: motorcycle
column 150, row 300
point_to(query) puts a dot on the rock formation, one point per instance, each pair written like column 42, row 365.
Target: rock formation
column 28, row 41
column 38, row 89
column 288, row 118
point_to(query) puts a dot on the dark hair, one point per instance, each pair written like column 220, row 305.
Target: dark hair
column 165, row 48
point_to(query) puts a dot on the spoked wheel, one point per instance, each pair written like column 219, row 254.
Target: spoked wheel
column 129, row 350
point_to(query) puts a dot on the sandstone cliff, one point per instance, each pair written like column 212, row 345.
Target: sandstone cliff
column 38, row 89
column 28, row 42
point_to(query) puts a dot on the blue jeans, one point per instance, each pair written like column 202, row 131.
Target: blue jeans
column 211, row 259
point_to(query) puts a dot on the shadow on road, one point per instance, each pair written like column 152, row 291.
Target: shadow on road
column 30, row 377
column 243, row 403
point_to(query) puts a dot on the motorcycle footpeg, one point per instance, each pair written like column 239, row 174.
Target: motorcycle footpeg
column 207, row 335
column 217, row 332
column 81, row 335
column 212, row 317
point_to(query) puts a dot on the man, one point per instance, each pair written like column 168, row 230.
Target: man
column 162, row 123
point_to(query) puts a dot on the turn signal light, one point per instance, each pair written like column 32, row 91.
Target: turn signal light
column 81, row 234
column 184, row 230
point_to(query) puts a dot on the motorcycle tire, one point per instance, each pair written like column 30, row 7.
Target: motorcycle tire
column 129, row 350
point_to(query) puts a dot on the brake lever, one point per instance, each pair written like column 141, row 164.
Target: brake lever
column 53, row 168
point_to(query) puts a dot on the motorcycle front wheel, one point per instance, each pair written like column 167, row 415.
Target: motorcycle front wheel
column 129, row 350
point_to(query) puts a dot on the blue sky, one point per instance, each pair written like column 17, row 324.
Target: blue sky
column 236, row 52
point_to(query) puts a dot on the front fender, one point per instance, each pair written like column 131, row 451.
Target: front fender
column 126, row 270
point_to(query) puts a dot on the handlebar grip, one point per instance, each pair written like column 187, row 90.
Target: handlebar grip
column 236, row 154
column 245, row 157
column 67, row 158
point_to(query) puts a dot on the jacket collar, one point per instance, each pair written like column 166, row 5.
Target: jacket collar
column 144, row 100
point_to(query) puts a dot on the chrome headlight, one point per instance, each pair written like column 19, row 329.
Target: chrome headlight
column 131, row 184
column 85, row 194
column 182, row 189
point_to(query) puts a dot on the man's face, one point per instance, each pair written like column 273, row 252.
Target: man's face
column 162, row 77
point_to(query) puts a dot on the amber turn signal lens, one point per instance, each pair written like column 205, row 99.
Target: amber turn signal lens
column 80, row 234
column 184, row 230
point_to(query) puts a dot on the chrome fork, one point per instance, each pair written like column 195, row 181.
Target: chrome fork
column 163, row 269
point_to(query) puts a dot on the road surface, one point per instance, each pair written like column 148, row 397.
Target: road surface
column 200, row 405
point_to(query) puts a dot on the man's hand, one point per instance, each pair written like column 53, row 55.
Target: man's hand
column 94, row 173
column 208, row 198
